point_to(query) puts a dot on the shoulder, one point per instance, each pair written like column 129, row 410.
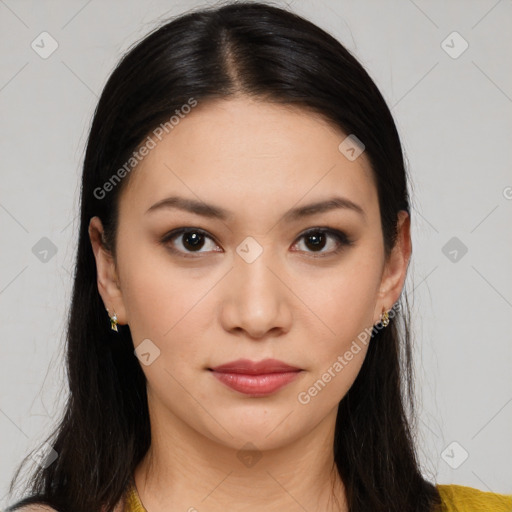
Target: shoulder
column 45, row 508
column 23, row 506
column 35, row 508
column 469, row 499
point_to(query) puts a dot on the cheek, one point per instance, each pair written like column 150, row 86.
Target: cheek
column 344, row 306
column 165, row 303
column 343, row 302
column 344, row 309
column 153, row 295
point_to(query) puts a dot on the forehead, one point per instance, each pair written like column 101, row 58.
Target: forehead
column 243, row 154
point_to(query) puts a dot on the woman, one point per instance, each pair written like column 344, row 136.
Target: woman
column 238, row 336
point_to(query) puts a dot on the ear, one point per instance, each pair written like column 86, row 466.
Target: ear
column 395, row 268
column 108, row 283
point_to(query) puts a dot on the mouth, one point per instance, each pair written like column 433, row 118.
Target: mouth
column 256, row 378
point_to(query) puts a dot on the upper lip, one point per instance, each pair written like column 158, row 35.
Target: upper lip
column 248, row 367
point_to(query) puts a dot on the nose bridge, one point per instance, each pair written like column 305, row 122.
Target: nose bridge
column 255, row 275
column 257, row 300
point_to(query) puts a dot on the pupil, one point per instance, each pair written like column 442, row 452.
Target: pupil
column 318, row 241
column 193, row 240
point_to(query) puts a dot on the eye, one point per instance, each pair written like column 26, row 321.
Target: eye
column 189, row 240
column 186, row 241
column 316, row 239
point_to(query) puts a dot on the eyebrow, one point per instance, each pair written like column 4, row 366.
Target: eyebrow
column 216, row 212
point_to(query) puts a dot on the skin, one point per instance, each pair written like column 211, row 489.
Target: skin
column 258, row 160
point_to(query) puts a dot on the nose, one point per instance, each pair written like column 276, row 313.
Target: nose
column 256, row 300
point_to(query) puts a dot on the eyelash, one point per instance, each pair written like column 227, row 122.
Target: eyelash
column 342, row 239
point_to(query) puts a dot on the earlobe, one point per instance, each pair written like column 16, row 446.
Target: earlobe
column 107, row 279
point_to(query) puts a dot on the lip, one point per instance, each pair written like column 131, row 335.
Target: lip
column 248, row 367
column 259, row 378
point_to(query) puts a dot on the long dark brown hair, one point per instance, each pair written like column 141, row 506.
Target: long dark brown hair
column 274, row 55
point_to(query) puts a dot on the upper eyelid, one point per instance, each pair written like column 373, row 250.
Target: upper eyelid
column 333, row 232
column 180, row 231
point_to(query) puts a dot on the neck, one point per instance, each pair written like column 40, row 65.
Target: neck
column 184, row 470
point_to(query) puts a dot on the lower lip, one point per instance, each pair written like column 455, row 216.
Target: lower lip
column 256, row 385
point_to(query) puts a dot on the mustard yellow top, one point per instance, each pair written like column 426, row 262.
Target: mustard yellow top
column 456, row 498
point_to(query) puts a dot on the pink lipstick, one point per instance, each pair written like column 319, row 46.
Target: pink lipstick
column 255, row 378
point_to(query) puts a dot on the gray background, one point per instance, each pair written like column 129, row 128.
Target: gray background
column 454, row 116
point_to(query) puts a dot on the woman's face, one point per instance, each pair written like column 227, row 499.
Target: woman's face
column 250, row 283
